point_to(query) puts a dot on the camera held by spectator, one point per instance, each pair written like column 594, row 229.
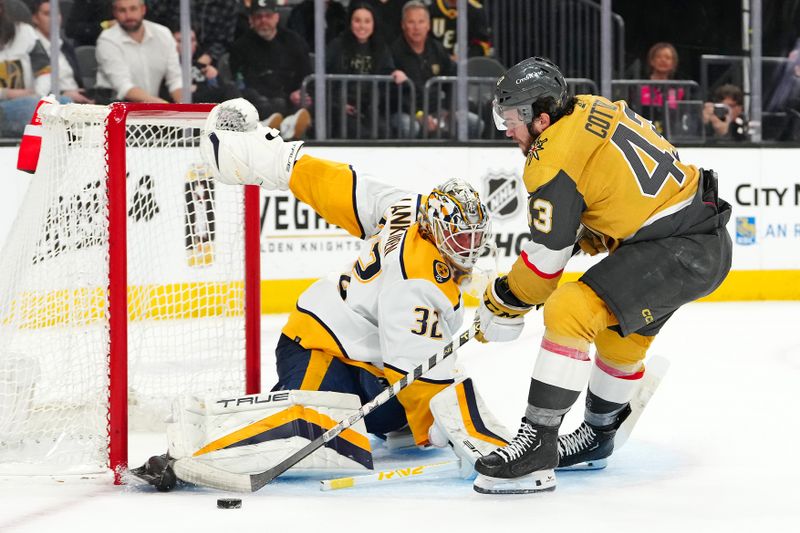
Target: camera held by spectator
column 724, row 116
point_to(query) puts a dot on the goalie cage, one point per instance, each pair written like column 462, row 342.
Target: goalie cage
column 129, row 277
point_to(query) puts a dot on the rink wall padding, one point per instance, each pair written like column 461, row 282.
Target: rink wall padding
column 298, row 247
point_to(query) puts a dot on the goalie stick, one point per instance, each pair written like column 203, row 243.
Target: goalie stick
column 657, row 367
column 407, row 473
column 194, row 471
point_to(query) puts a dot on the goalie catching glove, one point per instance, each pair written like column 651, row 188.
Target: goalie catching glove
column 500, row 316
column 243, row 152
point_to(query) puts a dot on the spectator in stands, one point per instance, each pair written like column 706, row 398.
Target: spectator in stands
column 787, row 84
column 24, row 74
column 422, row 57
column 301, row 20
column 359, row 50
column 388, row 15
column 443, row 22
column 87, row 19
column 207, row 84
column 69, row 78
column 724, row 115
column 212, row 20
column 242, row 18
column 662, row 59
column 270, row 63
column 135, row 56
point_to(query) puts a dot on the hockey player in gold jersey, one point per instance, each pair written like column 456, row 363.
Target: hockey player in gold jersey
column 598, row 176
column 399, row 303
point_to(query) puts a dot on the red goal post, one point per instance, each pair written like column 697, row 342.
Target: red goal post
column 129, row 278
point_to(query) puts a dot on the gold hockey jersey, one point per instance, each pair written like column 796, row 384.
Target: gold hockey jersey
column 608, row 169
column 397, row 305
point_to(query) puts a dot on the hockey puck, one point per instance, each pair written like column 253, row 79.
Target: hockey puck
column 229, row 503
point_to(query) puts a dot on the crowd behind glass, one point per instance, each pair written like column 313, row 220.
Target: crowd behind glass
column 390, row 68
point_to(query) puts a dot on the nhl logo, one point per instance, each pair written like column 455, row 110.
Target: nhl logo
column 502, row 193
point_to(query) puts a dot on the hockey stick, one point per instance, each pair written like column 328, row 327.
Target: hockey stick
column 657, row 367
column 393, row 476
column 193, row 471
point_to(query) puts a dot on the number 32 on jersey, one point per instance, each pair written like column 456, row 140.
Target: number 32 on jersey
column 427, row 323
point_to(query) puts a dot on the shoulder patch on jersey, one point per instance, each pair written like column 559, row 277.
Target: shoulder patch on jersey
column 418, row 259
column 441, row 272
column 536, row 147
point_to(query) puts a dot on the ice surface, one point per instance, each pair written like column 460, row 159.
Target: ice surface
column 714, row 451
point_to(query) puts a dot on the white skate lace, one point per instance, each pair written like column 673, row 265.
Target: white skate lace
column 525, row 438
column 576, row 442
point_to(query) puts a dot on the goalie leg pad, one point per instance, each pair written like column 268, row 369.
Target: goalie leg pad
column 462, row 419
column 250, row 434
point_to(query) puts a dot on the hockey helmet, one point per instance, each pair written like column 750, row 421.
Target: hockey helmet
column 523, row 85
column 457, row 222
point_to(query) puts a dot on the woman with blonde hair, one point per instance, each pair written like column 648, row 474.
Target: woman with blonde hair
column 662, row 60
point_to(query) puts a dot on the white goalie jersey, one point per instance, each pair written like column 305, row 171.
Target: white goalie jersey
column 397, row 305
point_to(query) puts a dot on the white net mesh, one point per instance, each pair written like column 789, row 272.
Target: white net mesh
column 185, row 266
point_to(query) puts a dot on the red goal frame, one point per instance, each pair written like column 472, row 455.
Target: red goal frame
column 116, row 169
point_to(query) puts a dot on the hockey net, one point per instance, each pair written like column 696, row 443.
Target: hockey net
column 128, row 278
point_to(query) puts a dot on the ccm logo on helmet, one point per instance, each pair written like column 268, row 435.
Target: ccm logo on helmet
column 528, row 76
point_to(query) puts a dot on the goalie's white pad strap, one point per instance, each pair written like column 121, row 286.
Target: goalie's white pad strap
column 462, row 418
column 252, row 433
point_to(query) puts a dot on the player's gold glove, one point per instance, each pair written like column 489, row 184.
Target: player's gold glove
column 590, row 242
column 500, row 316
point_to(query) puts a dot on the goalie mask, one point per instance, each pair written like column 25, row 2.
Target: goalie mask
column 457, row 222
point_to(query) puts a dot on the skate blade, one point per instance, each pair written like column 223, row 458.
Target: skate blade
column 542, row 481
column 597, row 464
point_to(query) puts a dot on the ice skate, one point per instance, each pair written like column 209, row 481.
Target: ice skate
column 525, row 465
column 588, row 447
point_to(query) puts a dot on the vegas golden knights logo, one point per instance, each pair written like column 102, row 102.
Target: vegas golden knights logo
column 199, row 224
column 11, row 75
column 533, row 153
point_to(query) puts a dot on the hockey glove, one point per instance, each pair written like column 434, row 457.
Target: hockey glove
column 242, row 152
column 500, row 316
column 590, row 242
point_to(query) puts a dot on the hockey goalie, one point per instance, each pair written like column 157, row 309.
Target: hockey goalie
column 352, row 333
